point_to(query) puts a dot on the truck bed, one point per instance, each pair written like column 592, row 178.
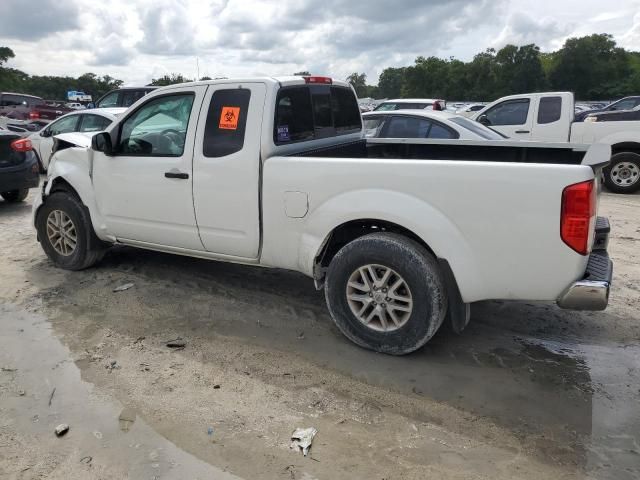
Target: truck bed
column 483, row 151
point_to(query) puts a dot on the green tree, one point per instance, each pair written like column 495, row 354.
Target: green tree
column 169, row 80
column 5, row 54
column 593, row 67
column 519, row 69
column 359, row 82
column 390, row 82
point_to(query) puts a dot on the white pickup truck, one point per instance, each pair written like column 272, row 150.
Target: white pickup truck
column 275, row 172
column 549, row 117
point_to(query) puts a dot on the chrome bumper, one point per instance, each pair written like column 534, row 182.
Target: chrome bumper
column 592, row 291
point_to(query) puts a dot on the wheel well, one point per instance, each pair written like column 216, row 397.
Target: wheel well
column 347, row 232
column 61, row 185
column 633, row 147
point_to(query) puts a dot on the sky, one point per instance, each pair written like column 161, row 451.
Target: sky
column 137, row 40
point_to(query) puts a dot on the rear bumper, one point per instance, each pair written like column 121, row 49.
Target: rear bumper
column 592, row 291
column 18, row 177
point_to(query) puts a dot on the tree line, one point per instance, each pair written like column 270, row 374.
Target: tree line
column 51, row 87
column 593, row 66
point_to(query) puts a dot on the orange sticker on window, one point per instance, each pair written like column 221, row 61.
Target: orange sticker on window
column 229, row 118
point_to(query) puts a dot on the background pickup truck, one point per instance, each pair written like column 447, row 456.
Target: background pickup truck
column 275, row 172
column 27, row 111
column 549, row 117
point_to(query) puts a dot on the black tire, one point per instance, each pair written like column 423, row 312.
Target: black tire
column 15, row 196
column 89, row 249
column 626, row 180
column 415, row 265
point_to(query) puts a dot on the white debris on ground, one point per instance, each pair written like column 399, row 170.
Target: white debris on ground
column 302, row 438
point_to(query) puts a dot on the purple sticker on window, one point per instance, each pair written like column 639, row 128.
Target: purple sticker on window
column 283, row 133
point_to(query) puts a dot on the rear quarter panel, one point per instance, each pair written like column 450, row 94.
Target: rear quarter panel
column 497, row 224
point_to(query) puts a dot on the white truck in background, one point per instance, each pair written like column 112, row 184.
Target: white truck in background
column 275, row 172
column 549, row 117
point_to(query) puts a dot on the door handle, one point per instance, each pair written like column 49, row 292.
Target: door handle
column 523, row 131
column 176, row 174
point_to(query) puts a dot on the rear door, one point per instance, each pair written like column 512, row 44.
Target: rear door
column 513, row 118
column 226, row 169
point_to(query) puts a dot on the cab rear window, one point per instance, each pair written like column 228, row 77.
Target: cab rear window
column 313, row 112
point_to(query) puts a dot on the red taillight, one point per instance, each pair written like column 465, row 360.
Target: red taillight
column 22, row 145
column 34, row 115
column 322, row 80
column 577, row 216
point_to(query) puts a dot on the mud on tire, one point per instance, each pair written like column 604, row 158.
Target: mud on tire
column 408, row 261
column 79, row 247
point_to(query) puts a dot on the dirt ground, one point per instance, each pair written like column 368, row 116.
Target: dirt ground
column 527, row 391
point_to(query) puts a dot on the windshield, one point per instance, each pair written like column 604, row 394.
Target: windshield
column 477, row 128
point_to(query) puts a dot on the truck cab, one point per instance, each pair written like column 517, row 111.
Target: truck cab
column 550, row 117
column 544, row 117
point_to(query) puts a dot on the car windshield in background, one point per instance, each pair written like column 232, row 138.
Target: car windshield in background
column 389, row 106
column 478, row 128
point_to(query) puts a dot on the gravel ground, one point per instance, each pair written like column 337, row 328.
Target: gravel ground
column 527, row 391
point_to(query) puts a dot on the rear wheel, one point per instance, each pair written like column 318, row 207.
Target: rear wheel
column 15, row 196
column 622, row 175
column 66, row 234
column 386, row 293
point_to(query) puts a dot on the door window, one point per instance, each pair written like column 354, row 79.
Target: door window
column 111, row 100
column 226, row 122
column 550, row 110
column 440, row 131
column 510, row 112
column 399, row 126
column 627, row 104
column 158, row 127
column 407, row 127
column 12, row 100
column 373, row 126
column 64, row 125
column 129, row 97
column 94, row 123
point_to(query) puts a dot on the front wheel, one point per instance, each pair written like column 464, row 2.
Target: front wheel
column 66, row 234
column 385, row 292
column 622, row 175
column 15, row 196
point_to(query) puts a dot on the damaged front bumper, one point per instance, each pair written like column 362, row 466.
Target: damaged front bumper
column 592, row 291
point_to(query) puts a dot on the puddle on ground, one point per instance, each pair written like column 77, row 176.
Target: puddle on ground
column 102, row 434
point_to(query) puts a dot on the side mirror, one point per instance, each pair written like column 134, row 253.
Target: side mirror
column 91, row 105
column 101, row 142
column 484, row 120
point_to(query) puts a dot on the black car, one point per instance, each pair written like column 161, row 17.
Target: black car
column 18, row 166
column 122, row 97
column 626, row 103
column 615, row 116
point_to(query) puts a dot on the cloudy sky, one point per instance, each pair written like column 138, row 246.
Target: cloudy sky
column 136, row 40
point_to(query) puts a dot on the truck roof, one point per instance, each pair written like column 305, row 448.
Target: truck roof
column 281, row 80
column 21, row 94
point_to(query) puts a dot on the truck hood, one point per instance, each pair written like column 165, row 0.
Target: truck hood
column 76, row 138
